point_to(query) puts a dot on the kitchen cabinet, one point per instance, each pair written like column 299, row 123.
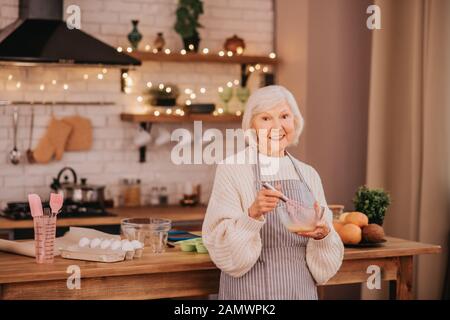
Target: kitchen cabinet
column 186, row 218
column 186, row 274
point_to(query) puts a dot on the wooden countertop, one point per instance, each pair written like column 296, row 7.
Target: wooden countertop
column 16, row 268
column 174, row 213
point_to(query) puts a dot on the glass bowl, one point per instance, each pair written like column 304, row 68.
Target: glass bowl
column 151, row 232
column 300, row 218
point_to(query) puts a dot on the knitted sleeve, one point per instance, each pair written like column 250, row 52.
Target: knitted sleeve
column 324, row 257
column 231, row 236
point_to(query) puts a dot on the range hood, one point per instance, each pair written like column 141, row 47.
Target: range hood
column 41, row 36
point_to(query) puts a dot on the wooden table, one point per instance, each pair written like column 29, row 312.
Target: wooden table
column 181, row 274
column 172, row 212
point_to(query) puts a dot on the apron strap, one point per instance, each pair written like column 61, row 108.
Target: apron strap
column 257, row 169
column 297, row 168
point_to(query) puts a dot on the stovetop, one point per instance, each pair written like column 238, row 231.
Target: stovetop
column 21, row 210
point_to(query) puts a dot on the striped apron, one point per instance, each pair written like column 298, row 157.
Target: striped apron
column 281, row 271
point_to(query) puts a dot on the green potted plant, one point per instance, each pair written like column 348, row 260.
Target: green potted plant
column 187, row 24
column 373, row 203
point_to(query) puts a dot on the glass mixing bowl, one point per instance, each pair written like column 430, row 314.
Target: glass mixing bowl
column 151, row 232
column 300, row 218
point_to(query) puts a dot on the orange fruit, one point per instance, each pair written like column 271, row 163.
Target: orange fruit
column 337, row 225
column 350, row 234
column 357, row 218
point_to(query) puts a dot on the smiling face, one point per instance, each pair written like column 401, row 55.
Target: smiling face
column 275, row 129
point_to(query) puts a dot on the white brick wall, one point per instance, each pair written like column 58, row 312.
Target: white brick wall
column 113, row 155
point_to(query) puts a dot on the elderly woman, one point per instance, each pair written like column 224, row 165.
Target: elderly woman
column 258, row 256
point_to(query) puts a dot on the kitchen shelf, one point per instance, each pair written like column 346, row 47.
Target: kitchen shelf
column 193, row 57
column 146, row 121
column 139, row 118
column 199, row 57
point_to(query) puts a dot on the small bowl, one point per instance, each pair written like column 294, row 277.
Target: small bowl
column 200, row 247
column 188, row 246
column 299, row 218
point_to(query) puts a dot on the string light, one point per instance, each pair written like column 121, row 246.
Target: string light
column 127, row 90
column 238, row 113
column 205, row 50
column 230, row 53
column 183, row 52
column 169, row 111
column 10, row 77
column 258, row 66
column 161, row 86
column 272, row 55
column 18, row 85
column 215, row 113
column 42, row 87
column 193, row 96
column 229, row 84
column 220, row 110
column 251, row 69
column 65, row 86
column 187, row 91
column 104, row 70
column 167, row 51
column 220, row 89
column 124, row 75
column 221, row 53
column 139, row 99
column 236, row 82
column 155, row 50
column 119, row 49
column 239, row 50
column 156, row 113
column 177, row 111
column 181, row 113
column 149, row 84
column 265, row 69
column 85, row 76
column 129, row 49
column 188, row 102
column 168, row 89
column 100, row 76
column 191, row 47
column 147, row 47
column 53, row 82
column 202, row 90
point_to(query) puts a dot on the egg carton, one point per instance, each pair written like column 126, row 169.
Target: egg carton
column 103, row 250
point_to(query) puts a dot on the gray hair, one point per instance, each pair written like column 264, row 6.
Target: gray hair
column 268, row 97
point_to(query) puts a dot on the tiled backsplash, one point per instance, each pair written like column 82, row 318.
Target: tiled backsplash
column 113, row 155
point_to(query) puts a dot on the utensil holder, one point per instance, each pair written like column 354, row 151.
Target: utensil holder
column 44, row 237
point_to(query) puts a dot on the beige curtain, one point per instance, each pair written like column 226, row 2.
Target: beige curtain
column 409, row 121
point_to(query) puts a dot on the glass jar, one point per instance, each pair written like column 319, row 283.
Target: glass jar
column 163, row 196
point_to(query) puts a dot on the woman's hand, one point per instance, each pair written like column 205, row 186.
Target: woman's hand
column 322, row 229
column 266, row 200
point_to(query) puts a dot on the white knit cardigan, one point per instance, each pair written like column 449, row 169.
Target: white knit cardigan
column 233, row 238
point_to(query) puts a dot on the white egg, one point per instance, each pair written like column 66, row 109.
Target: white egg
column 105, row 244
column 136, row 244
column 127, row 246
column 117, row 244
column 83, row 242
column 95, row 242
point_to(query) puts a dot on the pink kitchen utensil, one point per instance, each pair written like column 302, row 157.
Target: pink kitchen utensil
column 44, row 230
column 35, row 205
column 56, row 202
column 297, row 217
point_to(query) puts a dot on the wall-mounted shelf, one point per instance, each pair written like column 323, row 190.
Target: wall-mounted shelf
column 200, row 57
column 139, row 118
column 193, row 57
column 146, row 121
